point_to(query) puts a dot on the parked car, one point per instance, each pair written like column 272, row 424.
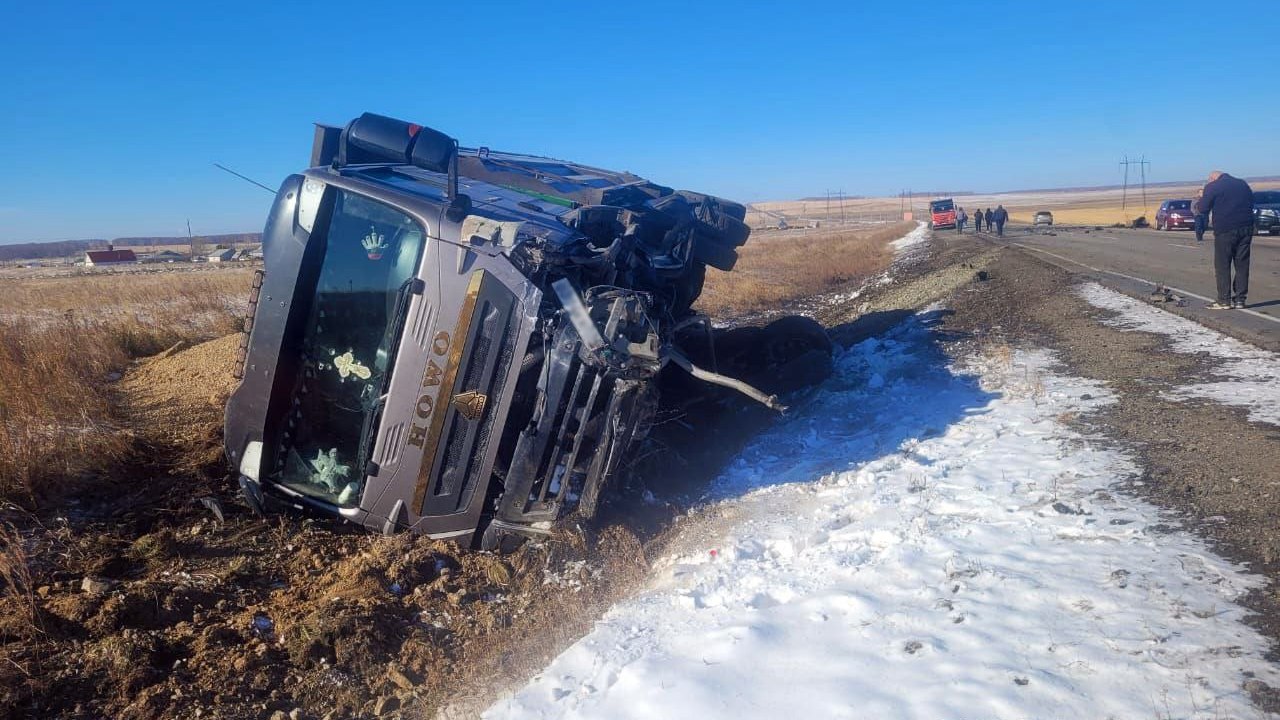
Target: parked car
column 1175, row 214
column 1044, row 217
column 1266, row 212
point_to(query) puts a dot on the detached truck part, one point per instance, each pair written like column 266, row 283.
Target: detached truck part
column 459, row 342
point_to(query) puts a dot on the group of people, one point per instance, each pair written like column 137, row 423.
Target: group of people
column 1230, row 202
column 993, row 219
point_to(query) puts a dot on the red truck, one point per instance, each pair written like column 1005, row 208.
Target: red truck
column 942, row 213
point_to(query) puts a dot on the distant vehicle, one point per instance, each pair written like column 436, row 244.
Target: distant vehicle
column 1044, row 217
column 1266, row 211
column 942, row 213
column 1175, row 214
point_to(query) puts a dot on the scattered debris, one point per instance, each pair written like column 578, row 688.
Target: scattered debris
column 96, row 586
column 213, row 505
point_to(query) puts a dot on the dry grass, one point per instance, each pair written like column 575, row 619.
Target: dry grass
column 778, row 266
column 62, row 340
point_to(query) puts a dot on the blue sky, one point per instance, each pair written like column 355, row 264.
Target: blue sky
column 113, row 116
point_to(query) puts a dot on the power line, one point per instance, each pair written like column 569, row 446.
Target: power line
column 1142, row 164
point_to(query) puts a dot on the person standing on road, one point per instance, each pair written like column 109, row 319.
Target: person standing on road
column 961, row 219
column 1001, row 217
column 990, row 218
column 1202, row 218
column 1230, row 199
column 977, row 220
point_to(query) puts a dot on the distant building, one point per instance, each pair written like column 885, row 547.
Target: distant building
column 110, row 256
column 222, row 255
column 164, row 256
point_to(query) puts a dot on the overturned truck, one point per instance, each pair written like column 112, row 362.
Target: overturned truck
column 467, row 343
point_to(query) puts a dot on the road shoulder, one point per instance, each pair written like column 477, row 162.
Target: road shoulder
column 1205, row 461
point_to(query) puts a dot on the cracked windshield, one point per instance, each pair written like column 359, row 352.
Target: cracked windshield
column 371, row 251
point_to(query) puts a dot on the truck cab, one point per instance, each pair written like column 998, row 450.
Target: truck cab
column 461, row 343
column 942, row 214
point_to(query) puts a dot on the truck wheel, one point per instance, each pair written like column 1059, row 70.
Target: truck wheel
column 709, row 251
column 732, row 231
column 795, row 352
column 737, row 211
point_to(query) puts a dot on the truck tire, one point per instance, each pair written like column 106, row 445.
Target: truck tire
column 710, row 251
column 732, row 231
column 737, row 211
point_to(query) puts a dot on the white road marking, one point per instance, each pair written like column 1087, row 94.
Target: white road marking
column 1192, row 247
column 1180, row 291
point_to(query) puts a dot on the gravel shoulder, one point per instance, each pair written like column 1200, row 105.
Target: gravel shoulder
column 1215, row 470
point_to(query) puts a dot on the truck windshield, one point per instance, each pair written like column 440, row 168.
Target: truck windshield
column 941, row 206
column 370, row 252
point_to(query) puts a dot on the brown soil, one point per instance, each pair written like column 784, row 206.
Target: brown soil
column 241, row 618
column 175, row 399
column 245, row 617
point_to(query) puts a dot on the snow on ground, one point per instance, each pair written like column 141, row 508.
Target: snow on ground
column 1250, row 377
column 915, row 237
column 919, row 540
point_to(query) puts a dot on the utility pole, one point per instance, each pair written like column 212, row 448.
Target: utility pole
column 842, row 207
column 1141, row 164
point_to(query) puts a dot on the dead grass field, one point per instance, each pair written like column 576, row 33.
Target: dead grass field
column 63, row 340
column 777, row 266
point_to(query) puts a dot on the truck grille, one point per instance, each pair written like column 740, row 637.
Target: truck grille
column 461, row 464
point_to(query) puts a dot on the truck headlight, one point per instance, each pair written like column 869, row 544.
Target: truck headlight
column 1267, row 212
column 251, row 463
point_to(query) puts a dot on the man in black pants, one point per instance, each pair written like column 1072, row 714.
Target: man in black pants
column 1001, row 217
column 1230, row 200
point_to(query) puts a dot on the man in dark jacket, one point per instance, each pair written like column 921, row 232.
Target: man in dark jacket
column 977, row 220
column 1001, row 217
column 990, row 218
column 1230, row 200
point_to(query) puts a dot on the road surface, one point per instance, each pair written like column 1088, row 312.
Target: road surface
column 1134, row 261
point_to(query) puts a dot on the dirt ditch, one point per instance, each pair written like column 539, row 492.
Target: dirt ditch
column 141, row 603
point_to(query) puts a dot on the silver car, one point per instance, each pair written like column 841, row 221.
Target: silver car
column 1044, row 217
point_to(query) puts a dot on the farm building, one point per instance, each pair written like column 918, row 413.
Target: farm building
column 163, row 256
column 110, row 256
column 222, row 255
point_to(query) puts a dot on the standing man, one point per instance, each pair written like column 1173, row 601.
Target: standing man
column 1001, row 217
column 977, row 220
column 1202, row 218
column 961, row 219
column 991, row 219
column 1230, row 200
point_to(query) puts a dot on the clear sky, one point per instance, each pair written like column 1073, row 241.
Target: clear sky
column 113, row 113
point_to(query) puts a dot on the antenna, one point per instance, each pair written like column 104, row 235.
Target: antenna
column 242, row 177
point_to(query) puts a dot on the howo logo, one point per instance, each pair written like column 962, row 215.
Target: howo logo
column 431, row 379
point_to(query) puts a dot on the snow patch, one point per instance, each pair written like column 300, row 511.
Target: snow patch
column 938, row 545
column 1250, row 376
column 911, row 239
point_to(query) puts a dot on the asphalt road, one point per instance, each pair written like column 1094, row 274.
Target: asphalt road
column 1134, row 261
